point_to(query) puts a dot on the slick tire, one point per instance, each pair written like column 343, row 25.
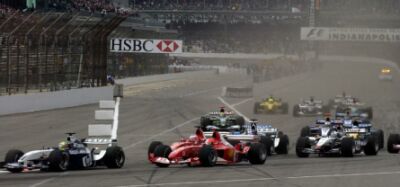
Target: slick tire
column 305, row 131
column 162, row 151
column 153, row 145
column 393, row 139
column 240, row 121
column 257, row 154
column 58, row 160
column 372, row 146
column 301, row 144
column 283, row 145
column 12, row 156
column 114, row 158
column 208, row 156
column 370, row 113
column 347, row 147
column 296, row 110
column 268, row 143
column 204, row 122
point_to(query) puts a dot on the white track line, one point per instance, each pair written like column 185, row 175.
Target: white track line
column 233, row 108
column 161, row 133
column 186, row 183
column 4, row 172
column 241, row 102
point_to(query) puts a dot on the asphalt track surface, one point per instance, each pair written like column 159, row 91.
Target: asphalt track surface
column 169, row 110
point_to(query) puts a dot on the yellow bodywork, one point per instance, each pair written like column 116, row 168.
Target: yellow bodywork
column 270, row 104
column 386, row 71
column 353, row 135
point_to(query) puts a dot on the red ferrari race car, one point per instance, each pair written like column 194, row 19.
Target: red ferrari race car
column 218, row 149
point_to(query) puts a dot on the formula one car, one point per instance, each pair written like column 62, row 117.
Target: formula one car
column 274, row 140
column 349, row 104
column 342, row 99
column 222, row 121
column 199, row 150
column 393, row 143
column 310, row 107
column 315, row 128
column 271, row 105
column 386, row 74
column 237, row 92
column 354, row 111
column 70, row 154
column 342, row 139
column 99, row 148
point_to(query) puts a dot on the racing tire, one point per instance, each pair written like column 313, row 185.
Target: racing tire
column 283, row 145
column 296, row 110
column 13, row 156
column 268, row 143
column 240, row 121
column 208, row 156
column 381, row 138
column 393, row 139
column 347, row 147
column 162, row 151
column 58, row 160
column 305, row 131
column 204, row 122
column 153, row 145
column 257, row 154
column 372, row 146
column 256, row 106
column 370, row 112
column 301, row 144
column 114, row 158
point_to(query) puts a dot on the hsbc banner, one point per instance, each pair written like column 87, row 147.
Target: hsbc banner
column 130, row 45
column 349, row 34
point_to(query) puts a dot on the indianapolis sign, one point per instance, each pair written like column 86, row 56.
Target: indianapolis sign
column 350, row 34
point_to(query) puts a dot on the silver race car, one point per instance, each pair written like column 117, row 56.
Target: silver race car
column 345, row 139
column 310, row 107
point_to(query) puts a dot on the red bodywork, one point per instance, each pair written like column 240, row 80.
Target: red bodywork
column 186, row 151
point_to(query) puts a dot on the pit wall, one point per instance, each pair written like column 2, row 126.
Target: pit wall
column 52, row 100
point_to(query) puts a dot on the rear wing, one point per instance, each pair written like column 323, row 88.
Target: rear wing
column 105, row 132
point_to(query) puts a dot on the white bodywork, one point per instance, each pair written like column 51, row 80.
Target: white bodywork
column 387, row 77
column 27, row 160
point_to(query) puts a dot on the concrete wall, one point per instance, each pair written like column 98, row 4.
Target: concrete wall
column 51, row 100
column 162, row 77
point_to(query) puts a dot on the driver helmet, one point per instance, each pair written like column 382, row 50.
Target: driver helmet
column 63, row 146
column 312, row 99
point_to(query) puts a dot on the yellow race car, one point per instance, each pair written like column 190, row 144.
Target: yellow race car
column 271, row 105
column 386, row 74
